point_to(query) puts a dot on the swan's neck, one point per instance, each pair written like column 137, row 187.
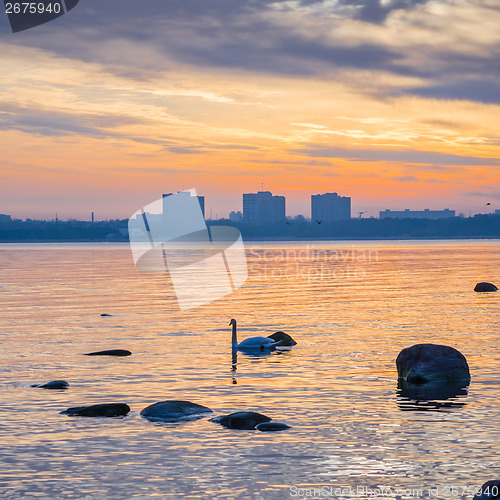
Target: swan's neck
column 234, row 340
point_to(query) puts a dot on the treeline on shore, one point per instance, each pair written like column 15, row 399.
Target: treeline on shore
column 479, row 226
column 73, row 230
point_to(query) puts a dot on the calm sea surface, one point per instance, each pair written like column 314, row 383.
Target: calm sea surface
column 351, row 306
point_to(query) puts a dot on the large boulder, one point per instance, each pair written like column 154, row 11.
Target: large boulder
column 489, row 491
column 173, row 411
column 485, row 287
column 247, row 420
column 431, row 363
column 100, row 410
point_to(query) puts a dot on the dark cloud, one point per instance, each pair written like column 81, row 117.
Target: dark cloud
column 376, row 11
column 287, row 55
column 140, row 40
column 491, row 193
column 59, row 123
column 433, row 160
column 412, row 178
column 221, row 33
column 186, row 150
column 207, row 148
column 468, row 90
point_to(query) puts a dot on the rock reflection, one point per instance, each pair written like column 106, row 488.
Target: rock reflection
column 430, row 397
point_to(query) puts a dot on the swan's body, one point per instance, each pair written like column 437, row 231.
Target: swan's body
column 257, row 343
column 252, row 343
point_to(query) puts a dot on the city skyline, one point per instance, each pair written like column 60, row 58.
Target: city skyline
column 329, row 207
column 396, row 105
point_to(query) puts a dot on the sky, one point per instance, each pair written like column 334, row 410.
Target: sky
column 395, row 103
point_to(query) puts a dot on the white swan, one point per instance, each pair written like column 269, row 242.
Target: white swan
column 258, row 343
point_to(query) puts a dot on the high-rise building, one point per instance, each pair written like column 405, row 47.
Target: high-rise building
column 201, row 200
column 416, row 214
column 263, row 208
column 329, row 207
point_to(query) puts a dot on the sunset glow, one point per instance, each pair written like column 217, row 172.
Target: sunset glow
column 397, row 112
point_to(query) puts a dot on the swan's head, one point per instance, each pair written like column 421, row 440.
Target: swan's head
column 232, row 322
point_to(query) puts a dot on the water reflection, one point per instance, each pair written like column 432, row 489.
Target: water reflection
column 253, row 354
column 430, row 397
column 337, row 386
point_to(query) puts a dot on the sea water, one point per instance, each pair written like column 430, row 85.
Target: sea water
column 351, row 307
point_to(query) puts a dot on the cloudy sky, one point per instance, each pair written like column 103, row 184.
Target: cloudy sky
column 395, row 103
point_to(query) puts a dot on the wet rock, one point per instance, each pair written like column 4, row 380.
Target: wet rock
column 100, row 410
column 271, row 426
column 485, row 287
column 173, row 411
column 53, row 384
column 247, row 420
column 283, row 338
column 489, row 491
column 105, row 315
column 110, row 352
column 431, row 363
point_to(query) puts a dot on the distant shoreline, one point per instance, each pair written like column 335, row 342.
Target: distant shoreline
column 281, row 239
column 296, row 229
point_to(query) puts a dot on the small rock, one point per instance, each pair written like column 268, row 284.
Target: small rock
column 272, row 426
column 172, row 411
column 110, row 352
column 247, row 420
column 53, row 384
column 100, row 410
column 485, row 287
column 105, row 315
column 489, row 491
column 284, row 338
column 430, row 363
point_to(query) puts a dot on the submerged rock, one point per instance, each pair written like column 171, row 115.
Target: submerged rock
column 284, row 338
column 485, row 287
column 489, row 491
column 431, row 363
column 271, row 426
column 110, row 352
column 100, row 410
column 173, row 411
column 53, row 384
column 247, row 420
